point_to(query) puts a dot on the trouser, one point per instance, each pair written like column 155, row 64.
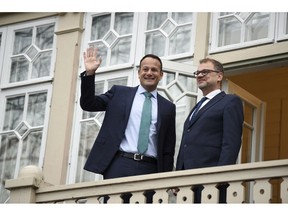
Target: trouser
column 124, row 167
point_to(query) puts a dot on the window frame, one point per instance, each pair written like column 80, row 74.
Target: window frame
column 29, row 90
column 214, row 29
column 88, row 17
column 25, row 88
column 141, row 37
column 9, row 42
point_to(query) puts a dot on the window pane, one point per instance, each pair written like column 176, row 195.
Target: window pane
column 100, row 26
column 168, row 27
column 36, row 109
column 155, row 20
column 31, row 149
column 23, row 39
column 286, row 23
column 13, row 112
column 44, row 36
column 180, row 42
column 118, row 81
column 188, row 83
column 8, row 155
column 229, row 31
column 19, row 69
column 257, row 27
column 102, row 51
column 89, row 131
column 248, row 111
column 225, row 13
column 123, row 23
column 181, row 18
column 246, row 144
column 22, row 128
column 121, row 51
column 99, row 87
column 41, row 65
column 155, row 43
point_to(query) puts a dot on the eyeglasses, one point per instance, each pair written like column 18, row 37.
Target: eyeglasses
column 204, row 72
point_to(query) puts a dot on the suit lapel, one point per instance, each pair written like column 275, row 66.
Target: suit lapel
column 187, row 121
column 211, row 103
column 129, row 97
column 160, row 107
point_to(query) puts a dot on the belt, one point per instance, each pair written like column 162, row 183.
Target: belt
column 137, row 157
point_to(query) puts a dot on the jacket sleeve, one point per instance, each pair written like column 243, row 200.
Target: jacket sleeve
column 232, row 131
column 169, row 149
column 88, row 100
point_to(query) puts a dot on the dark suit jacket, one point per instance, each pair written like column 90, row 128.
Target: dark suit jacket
column 214, row 137
column 117, row 103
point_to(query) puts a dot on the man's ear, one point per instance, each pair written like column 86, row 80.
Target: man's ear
column 220, row 76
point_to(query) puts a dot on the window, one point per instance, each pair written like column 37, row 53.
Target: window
column 30, row 55
column 241, row 29
column 169, row 33
column 25, row 93
column 112, row 34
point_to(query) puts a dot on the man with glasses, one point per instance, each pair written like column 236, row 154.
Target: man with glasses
column 213, row 129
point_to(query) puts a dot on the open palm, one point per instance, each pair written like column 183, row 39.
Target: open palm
column 91, row 60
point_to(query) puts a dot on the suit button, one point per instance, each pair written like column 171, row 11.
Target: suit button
column 188, row 130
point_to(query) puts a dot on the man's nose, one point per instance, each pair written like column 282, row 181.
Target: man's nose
column 149, row 71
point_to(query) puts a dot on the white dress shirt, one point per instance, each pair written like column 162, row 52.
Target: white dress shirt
column 129, row 143
column 209, row 97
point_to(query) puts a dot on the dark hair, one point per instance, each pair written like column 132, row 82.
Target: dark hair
column 217, row 65
column 152, row 56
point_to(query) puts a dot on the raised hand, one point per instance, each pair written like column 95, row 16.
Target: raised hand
column 91, row 60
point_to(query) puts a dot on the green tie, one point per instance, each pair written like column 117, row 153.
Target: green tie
column 145, row 124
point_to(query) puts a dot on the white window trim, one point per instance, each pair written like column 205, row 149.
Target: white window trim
column 140, row 49
column 86, row 40
column 214, row 36
column 2, row 47
column 22, row 91
column 9, row 47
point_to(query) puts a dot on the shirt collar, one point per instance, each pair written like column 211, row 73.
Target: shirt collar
column 213, row 94
column 142, row 90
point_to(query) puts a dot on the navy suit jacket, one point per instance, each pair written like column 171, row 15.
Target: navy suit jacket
column 117, row 103
column 214, row 137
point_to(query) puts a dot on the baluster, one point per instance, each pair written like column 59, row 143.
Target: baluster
column 235, row 193
column 210, row 194
column 185, row 195
column 262, row 191
column 284, row 190
column 138, row 197
column 115, row 199
column 161, row 196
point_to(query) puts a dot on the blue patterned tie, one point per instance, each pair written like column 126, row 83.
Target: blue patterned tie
column 198, row 105
column 145, row 124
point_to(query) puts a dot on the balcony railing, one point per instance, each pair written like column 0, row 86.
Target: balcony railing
column 259, row 182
